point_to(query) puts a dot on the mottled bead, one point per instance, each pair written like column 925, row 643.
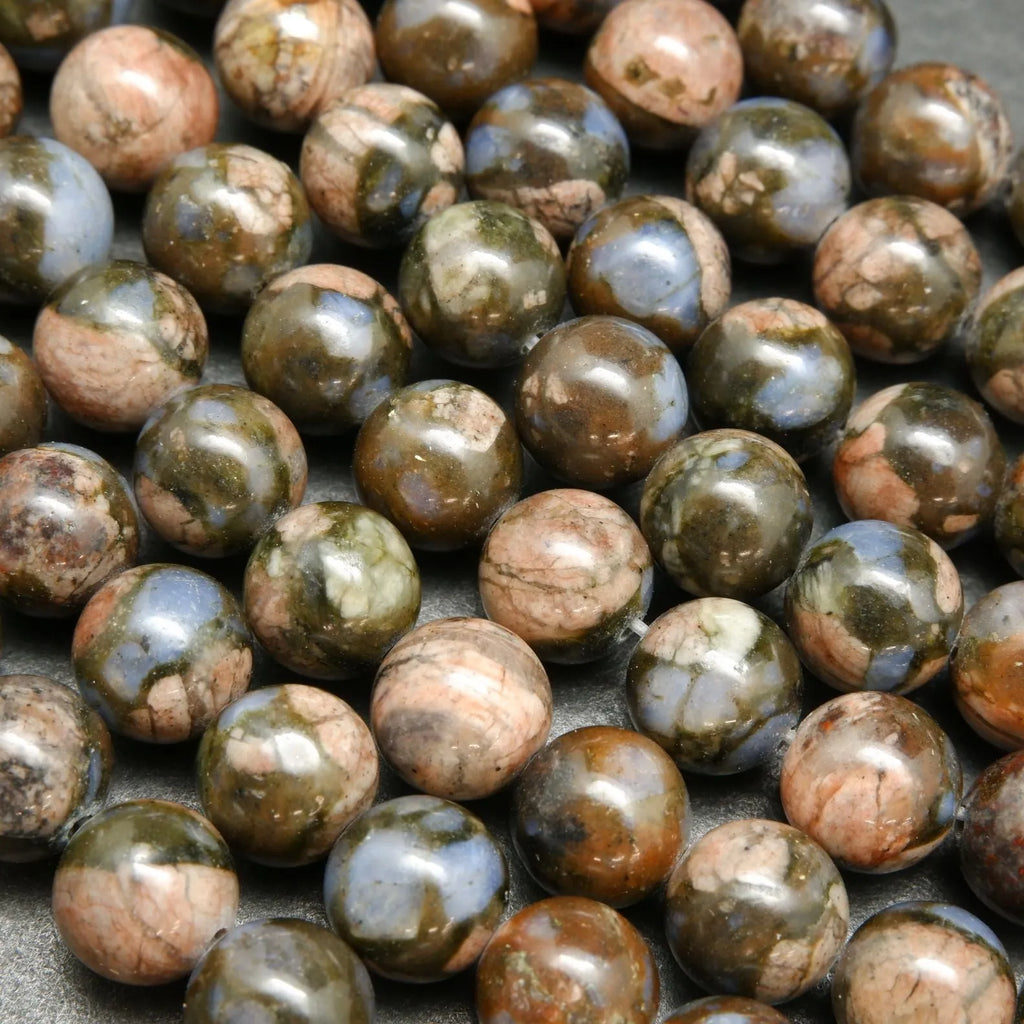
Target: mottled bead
column 921, row 455
column 280, row 971
column 934, row 131
column 55, row 217
column 480, row 282
column 22, row 399
column 55, row 765
column 726, row 513
column 567, row 960
column 726, row 1010
column 326, row 344
column 330, row 588
column 283, row 770
column 666, row 67
column 131, row 98
column 1015, row 196
column 67, row 523
column 716, row 683
column 827, row 55
column 573, row 17
column 283, row 63
column 569, row 572
column 416, row 886
column 550, row 147
column 874, row 606
column 159, row 650
column 223, row 220
column 11, row 98
column 598, row 400
column 994, row 346
column 441, row 460
column 757, row 909
column 898, row 276
column 142, row 889
column 1009, row 518
column 776, row 367
column 40, row 32
column 934, row 961
column 379, row 162
column 116, row 340
column 772, row 174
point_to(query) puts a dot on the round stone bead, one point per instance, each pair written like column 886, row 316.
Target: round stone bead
column 215, row 466
column 572, row 17
column 116, row 340
column 223, row 220
column 329, row 588
column 142, row 889
column 480, row 282
column 874, row 606
column 717, row 684
column 898, row 276
column 283, row 970
column 939, row 960
column 40, row 33
column 441, row 460
column 826, row 55
column 873, row 779
column 726, row 1010
column 283, row 770
column 921, row 455
column 159, row 650
column 1009, row 518
column 379, row 162
column 772, row 174
column 726, row 513
column 326, row 344
column 666, row 67
column 55, row 216
column 131, row 98
column 567, row 960
column 55, row 765
column 569, row 572
column 934, row 131
column 67, row 523
column 11, row 98
column 776, row 367
column 416, row 886
column 598, row 400
column 757, row 909
column 283, row 63
column 1015, row 196
column 550, row 147
column 457, row 53
column 22, row 399
column 994, row 346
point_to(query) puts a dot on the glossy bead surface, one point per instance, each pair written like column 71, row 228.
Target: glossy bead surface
column 756, row 908
column 569, row 572
column 934, row 131
column 223, row 220
column 131, row 98
column 598, row 399
column 943, row 962
column 416, row 886
column 726, row 1010
column 873, row 779
column 283, row 63
column 441, row 460
column 572, row 17
column 776, row 367
column 921, row 455
column 312, row 617
column 550, row 147
column 326, row 344
column 283, row 770
column 726, row 513
column 11, row 98
column 1015, row 196
column 142, row 889
column 67, row 523
column 159, row 650
column 772, row 174
column 39, row 34
column 994, row 346
column 280, row 971
column 55, row 765
column 666, row 67
column 480, row 282
column 716, row 683
column 898, row 276
column 567, row 960
column 874, row 606
column 22, row 399
column 116, row 340
column 1009, row 518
